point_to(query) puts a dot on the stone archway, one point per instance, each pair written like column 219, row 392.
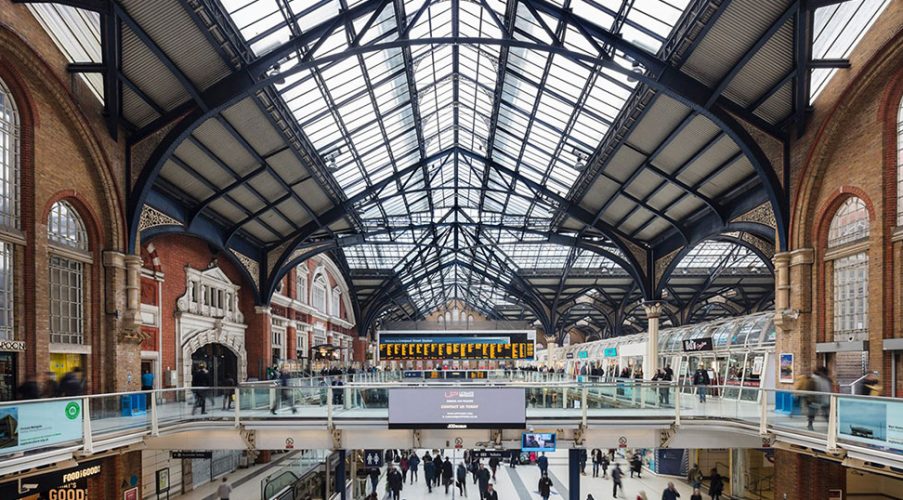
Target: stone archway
column 233, row 341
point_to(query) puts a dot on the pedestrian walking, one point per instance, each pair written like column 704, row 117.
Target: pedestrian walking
column 671, row 492
column 695, row 476
column 636, row 465
column 429, row 471
column 461, row 479
column 543, row 463
column 493, row 465
column 413, row 465
column 491, row 494
column 616, row 477
column 404, row 468
column 716, row 485
column 545, row 487
column 285, row 394
column 701, row 380
column 483, row 480
column 447, row 474
column 374, row 479
column 394, row 482
column 224, row 490
column 199, row 381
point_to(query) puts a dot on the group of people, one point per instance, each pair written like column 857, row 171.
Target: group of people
column 438, row 471
column 201, row 381
column 72, row 384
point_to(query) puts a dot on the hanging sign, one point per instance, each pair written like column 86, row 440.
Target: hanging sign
column 696, row 345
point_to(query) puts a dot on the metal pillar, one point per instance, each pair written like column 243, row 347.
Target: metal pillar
column 574, row 474
column 340, row 476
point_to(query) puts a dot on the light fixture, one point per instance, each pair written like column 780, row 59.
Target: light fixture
column 580, row 164
column 330, row 158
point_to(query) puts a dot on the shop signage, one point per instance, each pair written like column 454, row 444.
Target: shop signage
column 66, row 484
column 696, row 345
column 130, row 494
column 12, row 345
column 582, row 354
column 611, row 352
column 185, row 454
column 39, row 425
column 457, row 408
column 569, row 355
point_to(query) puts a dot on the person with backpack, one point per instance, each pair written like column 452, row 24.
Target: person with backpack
column 429, row 471
column 701, row 380
column 394, row 482
column 413, row 465
column 461, row 479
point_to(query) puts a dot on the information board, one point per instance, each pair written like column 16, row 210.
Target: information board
column 457, row 408
column 402, row 346
column 39, row 425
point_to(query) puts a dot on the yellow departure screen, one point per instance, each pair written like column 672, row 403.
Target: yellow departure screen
column 401, row 347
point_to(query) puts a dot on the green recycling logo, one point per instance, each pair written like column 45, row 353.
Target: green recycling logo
column 73, row 410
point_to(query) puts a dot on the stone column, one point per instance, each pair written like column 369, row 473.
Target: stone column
column 653, row 313
column 258, row 342
column 781, row 281
column 796, row 328
column 120, row 355
column 291, row 335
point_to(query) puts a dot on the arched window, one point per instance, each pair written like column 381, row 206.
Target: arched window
column 302, row 283
column 9, row 204
column 850, row 269
column 334, row 308
column 9, row 159
column 850, row 223
column 68, row 245
column 318, row 298
column 900, row 164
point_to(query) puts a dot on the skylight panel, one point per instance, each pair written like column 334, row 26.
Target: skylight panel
column 836, row 32
column 76, row 33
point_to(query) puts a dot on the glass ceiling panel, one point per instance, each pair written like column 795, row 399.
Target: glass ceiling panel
column 837, row 30
column 487, row 115
column 76, row 32
column 710, row 255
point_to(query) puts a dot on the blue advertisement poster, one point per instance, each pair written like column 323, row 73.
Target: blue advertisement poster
column 39, row 424
column 876, row 423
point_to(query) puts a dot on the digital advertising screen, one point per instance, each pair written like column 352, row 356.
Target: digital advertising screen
column 441, row 345
column 538, row 441
column 457, row 408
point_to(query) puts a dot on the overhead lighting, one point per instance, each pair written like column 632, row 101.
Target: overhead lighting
column 330, row 158
column 580, row 164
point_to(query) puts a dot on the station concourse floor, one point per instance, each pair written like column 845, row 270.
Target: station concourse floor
column 521, row 483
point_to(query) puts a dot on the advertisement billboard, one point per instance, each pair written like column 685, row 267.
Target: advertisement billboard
column 538, row 441
column 457, row 408
column 40, row 424
column 875, row 423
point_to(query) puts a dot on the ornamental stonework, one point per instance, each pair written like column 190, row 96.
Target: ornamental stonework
column 661, row 265
column 151, row 217
column 764, row 246
column 251, row 266
column 762, row 214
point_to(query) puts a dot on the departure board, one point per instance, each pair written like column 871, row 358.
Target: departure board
column 438, row 346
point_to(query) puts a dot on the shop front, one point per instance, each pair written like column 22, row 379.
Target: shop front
column 9, row 355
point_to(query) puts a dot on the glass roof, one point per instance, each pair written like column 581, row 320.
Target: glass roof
column 837, row 30
column 721, row 254
column 470, row 124
column 76, row 32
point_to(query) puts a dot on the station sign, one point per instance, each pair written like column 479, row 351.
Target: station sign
column 458, row 345
column 610, row 352
column 12, row 345
column 569, row 355
column 373, row 458
column 186, row 454
column 500, row 454
column 696, row 345
column 582, row 354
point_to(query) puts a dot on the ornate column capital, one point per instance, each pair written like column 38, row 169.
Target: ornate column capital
column 653, row 308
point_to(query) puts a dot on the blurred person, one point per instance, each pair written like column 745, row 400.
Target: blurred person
column 229, row 393
column 545, row 487
column 491, row 494
column 716, row 485
column 394, row 482
column 636, row 465
column 694, row 477
column 413, row 465
column 73, row 383
column 50, row 389
column 447, row 474
column 597, row 461
column 284, row 394
column 617, row 477
column 199, row 381
column 224, row 490
column 670, row 492
column 483, row 480
column 461, row 479
column 871, row 386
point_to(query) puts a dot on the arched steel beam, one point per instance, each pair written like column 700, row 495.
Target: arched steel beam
column 661, row 77
column 669, row 271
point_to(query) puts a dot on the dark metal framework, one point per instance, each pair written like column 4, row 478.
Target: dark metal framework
column 474, row 151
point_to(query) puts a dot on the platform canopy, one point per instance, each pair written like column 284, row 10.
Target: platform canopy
column 561, row 161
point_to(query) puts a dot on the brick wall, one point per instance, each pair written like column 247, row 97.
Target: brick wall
column 803, row 477
column 846, row 151
column 174, row 253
